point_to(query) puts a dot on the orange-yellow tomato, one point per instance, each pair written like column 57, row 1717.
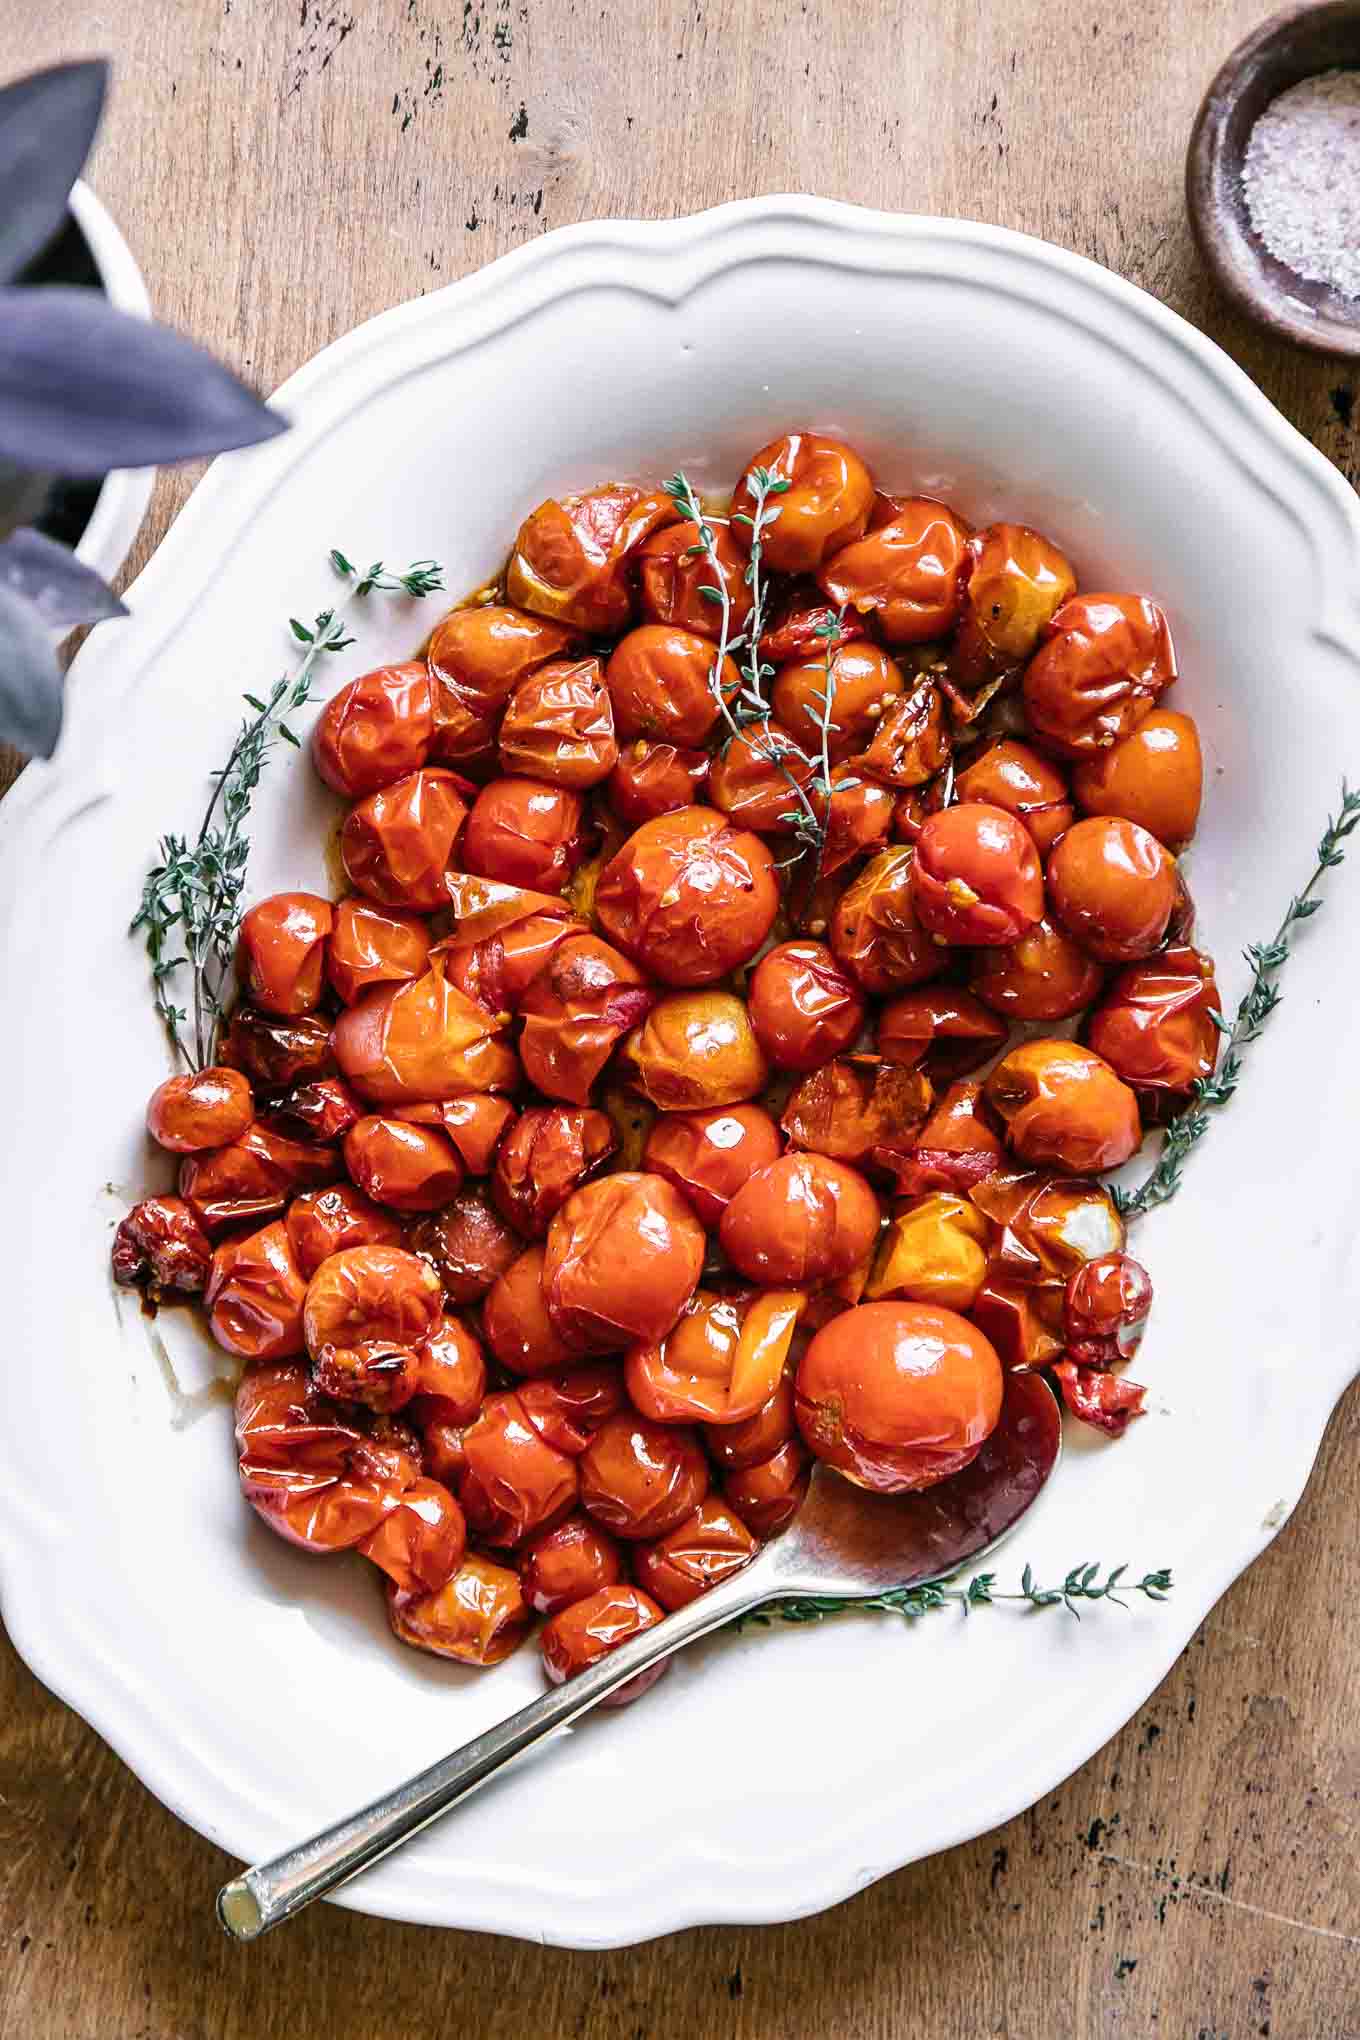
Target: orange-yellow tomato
column 934, row 1251
column 720, row 1363
column 1064, row 1107
column 906, row 571
column 573, row 557
column 1154, row 776
column 1019, row 580
column 696, row 1051
column 825, row 504
column 478, row 1617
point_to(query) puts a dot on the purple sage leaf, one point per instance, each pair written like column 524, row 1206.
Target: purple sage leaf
column 52, row 581
column 85, row 388
column 47, row 123
column 30, row 678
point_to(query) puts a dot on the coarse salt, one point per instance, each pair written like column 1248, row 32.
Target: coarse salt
column 1301, row 179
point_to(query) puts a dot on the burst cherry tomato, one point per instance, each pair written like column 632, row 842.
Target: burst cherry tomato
column 934, row 1251
column 857, row 820
column 514, row 1483
column 1064, row 1108
column 548, row 1153
column 1101, row 671
column 274, row 1051
column 1012, row 776
column 475, row 1123
column 407, row 1044
column 622, row 1260
column 735, row 1446
column 944, row 1029
column 559, row 726
column 674, row 568
column 768, row 1493
column 479, row 1617
column 568, row 1409
column 282, row 951
column 567, row 1563
column 865, row 684
column 319, row 1476
column 1047, row 1227
column 1154, row 776
column 702, row 1552
column 1155, row 1025
column 588, row 1630
column 1043, row 976
column 709, row 1155
column 639, row 1478
column 516, row 1323
column 750, row 778
column 450, row 1376
column 661, row 682
column 804, row 1008
column 205, row 1109
column 409, row 1168
column 910, row 742
column 420, row 1543
column 160, row 1246
column 689, row 897
column 1105, row 1310
column 375, row 730
column 525, row 833
column 252, row 1177
column 1112, row 886
column 321, row 1111
column 572, row 558
column 825, row 505
column 372, row 945
column 372, row 1294
column 469, row 1246
column 655, row 779
column 906, row 571
column 803, row 1220
column 582, row 1002
column 398, row 845
column 477, row 658
column 323, row 1222
column 875, row 932
column 696, row 1051
column 720, row 1363
column 898, row 1396
column 254, row 1296
column 976, row 877
column 858, row 1109
column 957, row 1147
column 1019, row 580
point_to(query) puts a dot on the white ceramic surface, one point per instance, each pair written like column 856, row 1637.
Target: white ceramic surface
column 123, row 496
column 256, row 1690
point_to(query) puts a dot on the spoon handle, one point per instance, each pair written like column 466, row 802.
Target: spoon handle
column 261, row 1898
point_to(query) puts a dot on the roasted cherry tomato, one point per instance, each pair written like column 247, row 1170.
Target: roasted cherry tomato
column 957, row 1147
column 755, row 777
column 323, row 1222
column 858, row 1109
column 1098, row 1397
column 1024, row 1323
column 567, row 1563
column 588, row 1630
column 1155, row 1026
column 906, row 572
column 944, row 1029
column 477, row 658
column 548, row 1153
column 768, row 1493
column 321, row 1111
column 976, row 876
column 409, row 1168
column 674, row 567
column 1101, row 671
column 825, row 504
column 1043, row 976
column 322, row 1477
column 371, row 1295
column 559, row 726
column 702, row 1552
column 375, row 730
column 865, row 685
column 253, row 1177
column 857, row 819
column 281, row 952
column 254, row 1296
column 622, row 1260
column 1112, row 886
column 734, row 1446
column 525, row 833
column 475, row 1123
column 910, row 742
column 801, row 622
column 495, row 970
column 1010, row 775
column 582, row 1002
column 514, row 1483
column 273, row 1050
column 1018, row 581
column 709, row 1155
column 654, row 779
column 409, row 1044
column 934, row 1251
column 573, row 559
column 568, row 1409
column 661, row 681
column 205, row 1109
column 898, row 1396
column 516, row 1323
column 160, row 1246
column 720, row 1363
column 1105, row 1310
column 1064, row 1107
column 689, row 897
column 874, row 929
column 479, row 1617
column 803, row 1220
column 639, row 1478
column 804, row 1008
column 398, row 845
column 469, row 1245
column 696, row 1051
column 1154, row 776
column 1046, row 1227
column 420, row 1543
column 375, row 1373
column 450, row 1376
column 441, row 1449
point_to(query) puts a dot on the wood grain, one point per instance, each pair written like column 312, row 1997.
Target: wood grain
column 283, row 171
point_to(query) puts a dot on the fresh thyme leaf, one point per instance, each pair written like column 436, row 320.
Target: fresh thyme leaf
column 1083, row 1583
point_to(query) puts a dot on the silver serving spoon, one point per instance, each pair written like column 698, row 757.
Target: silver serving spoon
column 842, row 1542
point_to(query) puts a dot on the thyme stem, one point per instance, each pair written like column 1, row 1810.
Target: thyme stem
column 1083, row 1583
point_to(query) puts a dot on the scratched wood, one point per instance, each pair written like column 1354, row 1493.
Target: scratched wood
column 285, row 170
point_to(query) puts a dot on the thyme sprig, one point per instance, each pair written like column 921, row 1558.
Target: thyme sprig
column 1259, row 1001
column 1083, row 1583
column 750, row 710
column 190, row 907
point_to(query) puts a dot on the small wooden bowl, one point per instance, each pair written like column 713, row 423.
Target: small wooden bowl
column 1292, row 45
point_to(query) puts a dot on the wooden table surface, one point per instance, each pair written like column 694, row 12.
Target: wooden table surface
column 284, row 169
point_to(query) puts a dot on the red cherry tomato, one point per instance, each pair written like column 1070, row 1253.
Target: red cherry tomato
column 1012, row 776
column 477, row 658
column 976, row 878
column 689, row 897
column 768, row 1494
column 282, row 950
column 957, row 1147
column 857, row 820
column 1043, row 976
column 708, row 1156
column 421, row 1042
column 1064, row 1108
column 160, row 1246
column 573, row 558
column 568, row 1409
column 475, row 1123
column 254, row 1296
column 803, row 1220
column 398, row 845
column 567, row 1563
column 371, row 1294
column 804, row 1008
column 622, row 1260
column 515, row 1320
column 906, row 572
column 409, row 1168
column 559, row 726
column 1154, row 776
column 588, row 1630
column 875, row 932
column 898, row 1396
column 450, row 1376
column 674, row 568
column 661, row 681
column 703, row 1551
column 321, row 1477
column 582, row 1002
column 479, row 1617
column 857, row 1109
column 253, row 1177
column 865, row 685
column 825, row 505
column 547, row 1154
column 944, row 1029
column 696, row 1051
column 654, row 779
column 323, row 1222
column 1155, row 1026
column 205, row 1109
column 514, row 1484
column 376, row 729
column 525, row 833
column 1106, row 661
column 322, row 1111
column 754, row 777
column 1105, row 1310
column 736, row 1446
column 1112, row 886
column 469, row 1246
column 420, row 1543
column 910, row 742
column 273, row 1050
column 639, row 1478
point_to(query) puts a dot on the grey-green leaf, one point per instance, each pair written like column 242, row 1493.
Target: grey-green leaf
column 47, row 123
column 63, row 590
column 30, row 678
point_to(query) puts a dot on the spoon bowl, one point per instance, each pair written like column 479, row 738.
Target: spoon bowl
column 843, row 1543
